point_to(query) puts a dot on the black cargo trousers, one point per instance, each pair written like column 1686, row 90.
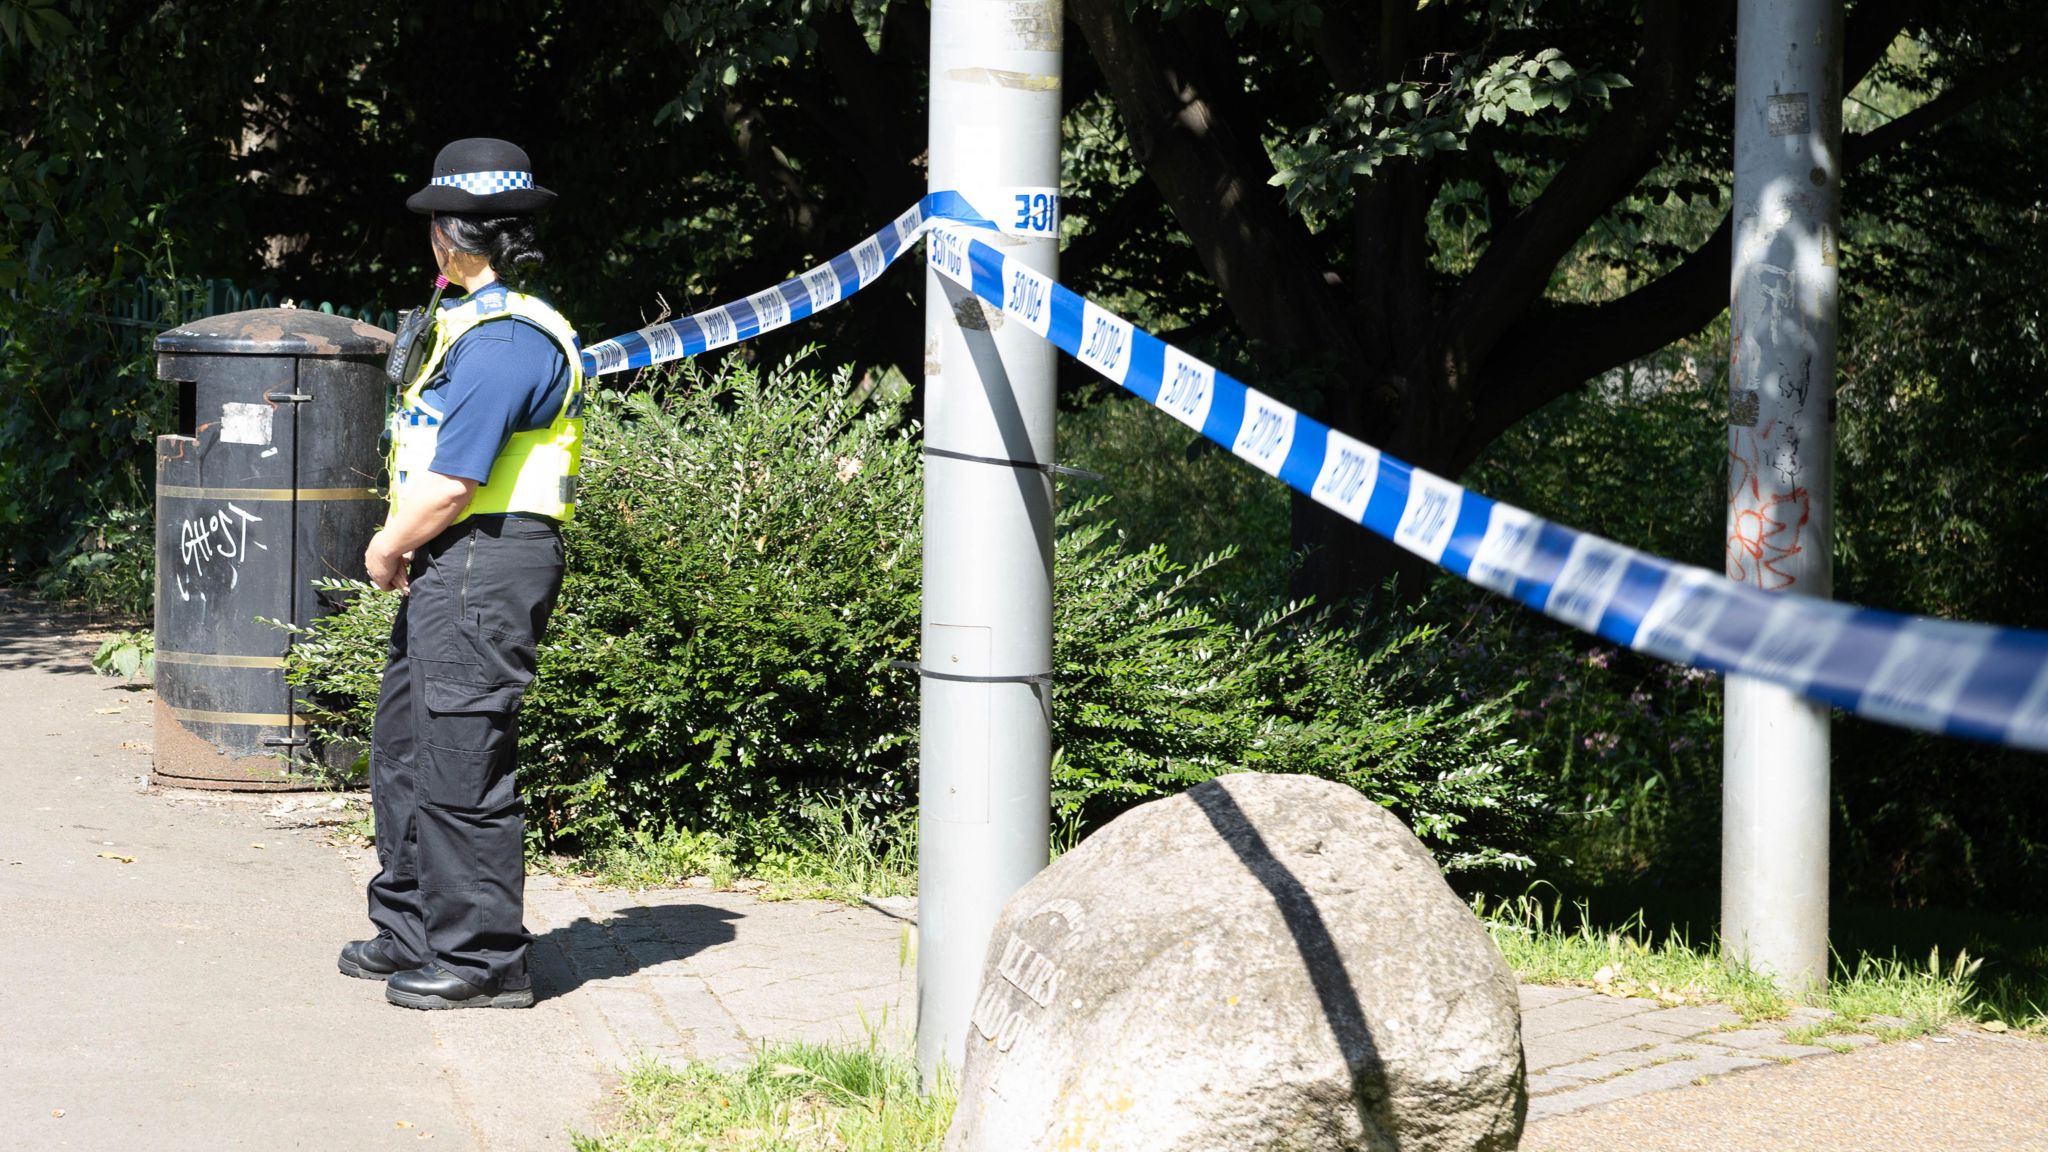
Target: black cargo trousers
column 450, row 833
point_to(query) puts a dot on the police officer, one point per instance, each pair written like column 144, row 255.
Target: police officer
column 485, row 450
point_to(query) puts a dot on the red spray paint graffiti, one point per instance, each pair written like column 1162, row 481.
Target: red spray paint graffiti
column 1766, row 526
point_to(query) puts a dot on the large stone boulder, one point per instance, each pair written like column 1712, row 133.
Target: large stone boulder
column 1265, row 962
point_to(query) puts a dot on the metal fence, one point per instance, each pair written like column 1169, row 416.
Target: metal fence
column 144, row 307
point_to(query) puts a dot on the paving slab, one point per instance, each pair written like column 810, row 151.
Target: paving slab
column 1568, row 1046
column 1686, row 1020
column 1978, row 1093
column 1544, row 995
column 1580, row 1012
column 1655, row 1078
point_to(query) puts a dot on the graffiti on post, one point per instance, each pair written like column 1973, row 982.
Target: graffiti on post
column 1769, row 508
column 222, row 537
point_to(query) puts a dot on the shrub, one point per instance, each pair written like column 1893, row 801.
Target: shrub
column 1157, row 690
column 78, row 410
column 744, row 567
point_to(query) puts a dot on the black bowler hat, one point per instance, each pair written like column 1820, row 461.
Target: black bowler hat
column 481, row 175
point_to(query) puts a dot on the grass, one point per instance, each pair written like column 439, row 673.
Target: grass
column 791, row 1098
column 1884, row 995
column 841, row 853
column 1625, row 960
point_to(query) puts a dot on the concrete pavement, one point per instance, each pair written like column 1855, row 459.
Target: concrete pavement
column 170, row 983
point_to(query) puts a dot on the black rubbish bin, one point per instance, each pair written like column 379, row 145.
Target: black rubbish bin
column 270, row 483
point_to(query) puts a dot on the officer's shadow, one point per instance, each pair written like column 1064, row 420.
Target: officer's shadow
column 569, row 956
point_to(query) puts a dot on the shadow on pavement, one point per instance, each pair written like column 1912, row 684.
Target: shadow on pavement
column 567, row 957
column 43, row 637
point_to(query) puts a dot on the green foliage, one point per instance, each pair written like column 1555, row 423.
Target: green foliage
column 1549, row 944
column 744, row 568
column 1627, row 747
column 741, row 572
column 1545, row 944
column 339, row 662
column 727, row 41
column 39, row 23
column 1173, row 488
column 1419, row 118
column 1159, row 689
column 647, row 858
column 1944, row 481
column 128, row 655
column 835, row 850
column 793, row 1097
column 78, row 413
column 844, row 853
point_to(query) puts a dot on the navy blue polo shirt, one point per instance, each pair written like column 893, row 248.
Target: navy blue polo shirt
column 503, row 376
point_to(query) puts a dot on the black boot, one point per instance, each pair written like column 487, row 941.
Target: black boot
column 435, row 987
column 370, row 959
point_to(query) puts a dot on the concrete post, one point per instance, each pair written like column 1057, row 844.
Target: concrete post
column 1787, row 206
column 984, row 789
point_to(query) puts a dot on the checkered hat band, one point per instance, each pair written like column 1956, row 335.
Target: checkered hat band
column 486, row 183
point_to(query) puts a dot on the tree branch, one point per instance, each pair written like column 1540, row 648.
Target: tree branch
column 1214, row 181
column 879, row 128
column 779, row 184
column 1555, row 349
column 1861, row 146
column 1869, row 34
column 1108, row 230
column 1621, row 147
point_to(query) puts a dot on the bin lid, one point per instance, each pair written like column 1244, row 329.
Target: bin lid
column 277, row 332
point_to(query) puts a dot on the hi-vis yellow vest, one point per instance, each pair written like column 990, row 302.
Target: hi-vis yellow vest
column 536, row 470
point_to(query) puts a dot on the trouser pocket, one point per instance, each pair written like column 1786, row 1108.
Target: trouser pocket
column 469, row 737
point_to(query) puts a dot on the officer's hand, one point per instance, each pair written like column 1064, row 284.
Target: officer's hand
column 387, row 569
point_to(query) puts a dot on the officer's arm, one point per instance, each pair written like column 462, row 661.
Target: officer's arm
column 428, row 505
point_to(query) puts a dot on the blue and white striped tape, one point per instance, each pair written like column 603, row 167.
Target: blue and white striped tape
column 1972, row 680
column 785, row 304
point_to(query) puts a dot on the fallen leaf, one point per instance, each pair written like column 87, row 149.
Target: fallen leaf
column 135, row 745
column 117, row 856
column 255, row 845
column 403, row 1123
column 109, row 711
column 1994, row 1025
column 56, row 1112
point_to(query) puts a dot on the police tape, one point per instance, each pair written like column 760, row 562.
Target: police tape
column 788, row 302
column 1961, row 679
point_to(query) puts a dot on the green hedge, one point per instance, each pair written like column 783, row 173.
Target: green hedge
column 78, row 411
column 745, row 565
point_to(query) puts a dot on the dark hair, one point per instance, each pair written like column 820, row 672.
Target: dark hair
column 508, row 242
